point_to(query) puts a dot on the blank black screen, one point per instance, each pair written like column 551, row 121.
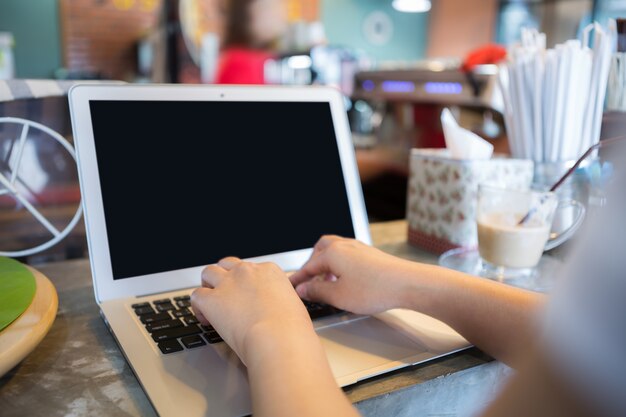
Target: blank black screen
column 187, row 183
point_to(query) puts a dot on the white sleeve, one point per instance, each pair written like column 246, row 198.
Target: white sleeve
column 586, row 316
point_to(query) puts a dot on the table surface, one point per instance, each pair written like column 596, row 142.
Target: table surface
column 79, row 370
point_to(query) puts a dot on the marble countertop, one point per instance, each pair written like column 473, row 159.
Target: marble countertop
column 79, row 370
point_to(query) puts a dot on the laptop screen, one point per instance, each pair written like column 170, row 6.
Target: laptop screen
column 185, row 184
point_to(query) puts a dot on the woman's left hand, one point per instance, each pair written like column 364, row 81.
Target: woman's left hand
column 245, row 301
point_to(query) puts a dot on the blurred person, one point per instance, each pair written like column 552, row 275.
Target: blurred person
column 569, row 353
column 252, row 28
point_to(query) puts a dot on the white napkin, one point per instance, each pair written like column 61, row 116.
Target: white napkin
column 462, row 143
column 434, row 335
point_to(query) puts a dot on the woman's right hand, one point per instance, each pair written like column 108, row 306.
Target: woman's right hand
column 355, row 277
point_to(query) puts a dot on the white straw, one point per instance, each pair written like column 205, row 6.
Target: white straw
column 554, row 99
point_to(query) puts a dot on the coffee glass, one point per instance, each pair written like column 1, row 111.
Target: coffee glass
column 509, row 249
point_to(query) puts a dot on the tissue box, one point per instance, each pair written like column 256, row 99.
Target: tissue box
column 441, row 206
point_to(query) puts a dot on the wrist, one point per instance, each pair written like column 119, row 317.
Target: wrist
column 269, row 340
column 417, row 287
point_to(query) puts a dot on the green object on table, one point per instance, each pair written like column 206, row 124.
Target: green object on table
column 17, row 289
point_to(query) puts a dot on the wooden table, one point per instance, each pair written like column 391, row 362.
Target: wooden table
column 79, row 370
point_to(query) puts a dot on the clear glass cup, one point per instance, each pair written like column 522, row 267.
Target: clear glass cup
column 509, row 248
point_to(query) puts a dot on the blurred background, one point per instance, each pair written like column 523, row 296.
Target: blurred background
column 397, row 62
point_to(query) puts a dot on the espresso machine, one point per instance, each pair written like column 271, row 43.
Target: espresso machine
column 396, row 109
column 409, row 97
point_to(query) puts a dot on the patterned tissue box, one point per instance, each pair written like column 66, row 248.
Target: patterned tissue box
column 441, row 206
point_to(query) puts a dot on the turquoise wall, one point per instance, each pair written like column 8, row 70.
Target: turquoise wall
column 35, row 27
column 343, row 20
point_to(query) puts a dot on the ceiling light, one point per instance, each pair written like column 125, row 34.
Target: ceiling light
column 411, row 6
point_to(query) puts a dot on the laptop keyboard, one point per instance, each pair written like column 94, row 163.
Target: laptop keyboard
column 173, row 326
column 317, row 310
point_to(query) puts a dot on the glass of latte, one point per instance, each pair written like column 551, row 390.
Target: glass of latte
column 514, row 229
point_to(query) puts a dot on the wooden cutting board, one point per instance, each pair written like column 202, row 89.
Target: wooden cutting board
column 24, row 334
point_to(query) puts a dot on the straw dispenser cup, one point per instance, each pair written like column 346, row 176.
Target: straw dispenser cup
column 554, row 99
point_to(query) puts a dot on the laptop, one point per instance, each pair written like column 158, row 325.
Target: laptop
column 174, row 178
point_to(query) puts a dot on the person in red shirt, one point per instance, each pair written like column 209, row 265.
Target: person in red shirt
column 252, row 27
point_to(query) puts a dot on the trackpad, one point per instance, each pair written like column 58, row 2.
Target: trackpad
column 365, row 344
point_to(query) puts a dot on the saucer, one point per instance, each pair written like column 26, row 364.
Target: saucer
column 541, row 278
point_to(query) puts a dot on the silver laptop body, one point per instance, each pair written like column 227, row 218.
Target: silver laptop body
column 175, row 177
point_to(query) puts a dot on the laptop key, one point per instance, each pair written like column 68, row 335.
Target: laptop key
column 206, row 328
column 170, row 346
column 189, row 320
column 142, row 311
column 175, row 333
column 183, row 312
column 191, row 342
column 152, row 318
column 140, row 305
column 212, row 337
column 162, row 301
column 317, row 310
column 165, row 307
column 183, row 303
column 163, row 325
column 182, row 298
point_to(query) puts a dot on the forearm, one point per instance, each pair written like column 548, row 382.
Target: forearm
column 497, row 318
column 289, row 375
